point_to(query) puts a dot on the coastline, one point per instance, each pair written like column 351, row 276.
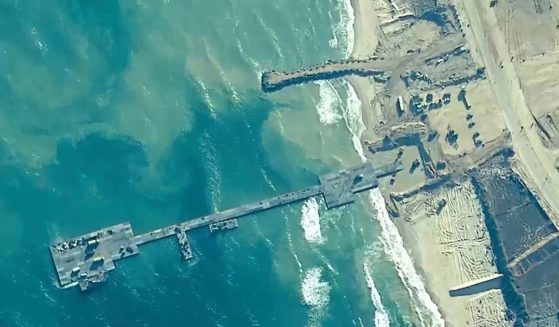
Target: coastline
column 365, row 44
column 438, row 268
column 450, row 250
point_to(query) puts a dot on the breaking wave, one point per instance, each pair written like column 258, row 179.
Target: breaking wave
column 394, row 247
column 381, row 316
column 207, row 99
column 354, row 119
column 316, row 294
column 310, row 221
column 391, row 239
column 329, row 101
column 333, row 42
column 315, row 291
column 343, row 30
column 269, row 31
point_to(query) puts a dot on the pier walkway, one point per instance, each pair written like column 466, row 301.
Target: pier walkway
column 229, row 214
column 84, row 260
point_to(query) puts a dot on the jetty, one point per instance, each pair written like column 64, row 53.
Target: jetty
column 373, row 66
column 379, row 68
column 84, row 260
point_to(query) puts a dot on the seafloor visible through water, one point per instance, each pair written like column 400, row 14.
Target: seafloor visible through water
column 150, row 112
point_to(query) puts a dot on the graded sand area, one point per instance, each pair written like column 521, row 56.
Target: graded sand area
column 533, row 46
column 534, row 162
column 401, row 35
column 541, row 86
column 540, row 83
column 450, row 244
column 409, row 177
column 536, row 34
column 483, row 119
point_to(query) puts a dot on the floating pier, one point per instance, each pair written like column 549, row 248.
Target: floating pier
column 84, row 260
column 224, row 225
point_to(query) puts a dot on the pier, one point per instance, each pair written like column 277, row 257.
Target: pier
column 84, row 260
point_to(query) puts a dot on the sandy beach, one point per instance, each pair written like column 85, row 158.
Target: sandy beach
column 364, row 27
column 365, row 44
column 366, row 41
column 448, row 247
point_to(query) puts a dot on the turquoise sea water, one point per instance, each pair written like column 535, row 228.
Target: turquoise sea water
column 150, row 112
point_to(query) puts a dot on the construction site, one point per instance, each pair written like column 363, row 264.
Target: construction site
column 459, row 100
column 465, row 96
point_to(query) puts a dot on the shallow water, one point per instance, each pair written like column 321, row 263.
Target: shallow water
column 150, row 112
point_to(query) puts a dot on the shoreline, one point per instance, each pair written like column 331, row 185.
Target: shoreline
column 365, row 43
column 365, row 20
column 450, row 250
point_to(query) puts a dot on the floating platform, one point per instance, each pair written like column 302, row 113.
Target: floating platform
column 224, row 225
column 84, row 260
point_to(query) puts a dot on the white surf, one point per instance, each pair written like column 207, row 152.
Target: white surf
column 316, row 294
column 310, row 221
column 354, row 119
column 328, row 104
column 394, row 247
column 381, row 316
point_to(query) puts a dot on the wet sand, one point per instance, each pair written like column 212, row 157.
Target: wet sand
column 364, row 27
column 365, row 44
